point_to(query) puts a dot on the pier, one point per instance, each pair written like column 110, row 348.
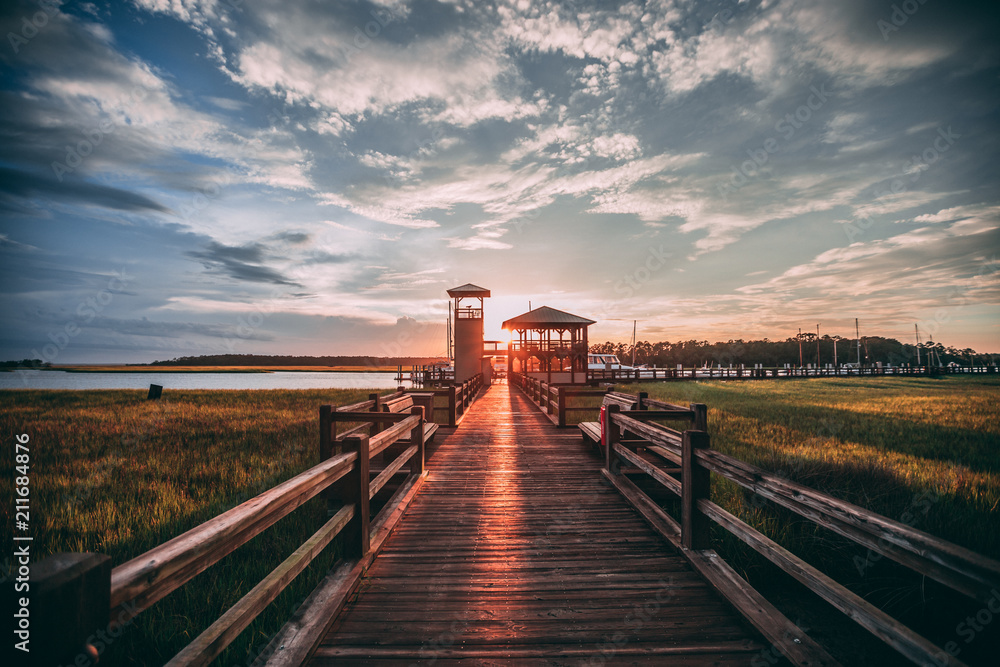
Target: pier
column 517, row 550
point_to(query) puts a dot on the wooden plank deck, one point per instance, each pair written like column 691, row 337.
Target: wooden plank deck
column 517, row 552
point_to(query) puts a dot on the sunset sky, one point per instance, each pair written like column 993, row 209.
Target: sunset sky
column 183, row 177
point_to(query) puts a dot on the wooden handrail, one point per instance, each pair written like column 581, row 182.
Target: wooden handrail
column 876, row 621
column 210, row 643
column 963, row 570
column 145, row 579
column 958, row 568
column 137, row 584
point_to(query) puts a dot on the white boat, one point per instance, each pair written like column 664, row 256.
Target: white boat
column 606, row 362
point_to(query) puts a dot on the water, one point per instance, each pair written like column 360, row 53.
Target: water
column 275, row 380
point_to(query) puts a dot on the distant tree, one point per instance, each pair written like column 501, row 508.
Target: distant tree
column 770, row 353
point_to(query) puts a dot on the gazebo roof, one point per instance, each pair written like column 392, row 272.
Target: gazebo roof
column 468, row 289
column 546, row 318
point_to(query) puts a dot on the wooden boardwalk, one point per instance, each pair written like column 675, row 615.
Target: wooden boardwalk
column 517, row 552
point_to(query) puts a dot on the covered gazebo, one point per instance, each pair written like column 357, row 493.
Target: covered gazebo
column 549, row 344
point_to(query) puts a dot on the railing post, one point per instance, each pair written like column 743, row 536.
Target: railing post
column 452, row 406
column 561, row 397
column 417, row 465
column 700, row 422
column 354, row 489
column 70, row 600
column 611, row 435
column 376, row 426
column 694, row 485
column 642, row 400
column 325, row 436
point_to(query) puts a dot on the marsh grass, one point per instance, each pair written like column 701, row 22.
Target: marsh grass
column 114, row 473
column 922, row 451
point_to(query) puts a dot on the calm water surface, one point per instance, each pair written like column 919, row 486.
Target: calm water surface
column 276, row 380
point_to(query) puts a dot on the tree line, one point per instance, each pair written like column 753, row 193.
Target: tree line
column 777, row 353
column 290, row 360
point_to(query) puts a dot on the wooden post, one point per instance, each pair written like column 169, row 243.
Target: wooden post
column 417, row 462
column 611, row 435
column 452, row 407
column 354, row 489
column 69, row 602
column 700, row 416
column 694, row 485
column 376, row 426
column 642, row 400
column 325, row 435
column 561, row 395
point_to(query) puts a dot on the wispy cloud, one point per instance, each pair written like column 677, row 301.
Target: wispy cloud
column 350, row 160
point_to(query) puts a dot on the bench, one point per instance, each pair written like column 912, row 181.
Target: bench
column 591, row 431
column 406, row 403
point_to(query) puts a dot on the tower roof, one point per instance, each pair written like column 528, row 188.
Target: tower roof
column 546, row 317
column 468, row 289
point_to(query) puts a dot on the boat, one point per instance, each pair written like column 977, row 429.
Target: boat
column 606, row 362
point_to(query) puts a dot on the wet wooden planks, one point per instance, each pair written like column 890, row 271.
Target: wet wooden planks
column 515, row 552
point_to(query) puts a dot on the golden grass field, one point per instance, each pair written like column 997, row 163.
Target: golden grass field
column 114, row 473
column 146, row 368
column 922, row 451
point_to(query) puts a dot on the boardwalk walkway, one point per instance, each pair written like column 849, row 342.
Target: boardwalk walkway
column 515, row 552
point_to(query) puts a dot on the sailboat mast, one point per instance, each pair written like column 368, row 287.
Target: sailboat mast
column 857, row 332
column 633, row 342
column 916, row 332
column 817, row 346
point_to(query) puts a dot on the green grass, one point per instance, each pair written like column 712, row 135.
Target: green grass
column 918, row 450
column 876, row 442
column 114, row 473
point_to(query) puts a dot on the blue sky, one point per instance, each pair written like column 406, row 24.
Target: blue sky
column 185, row 177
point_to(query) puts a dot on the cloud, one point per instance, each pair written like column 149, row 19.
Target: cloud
column 239, row 262
column 26, row 185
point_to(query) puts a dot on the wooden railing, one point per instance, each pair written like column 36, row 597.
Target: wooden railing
column 460, row 397
column 555, row 400
column 739, row 373
column 77, row 587
column 682, row 461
